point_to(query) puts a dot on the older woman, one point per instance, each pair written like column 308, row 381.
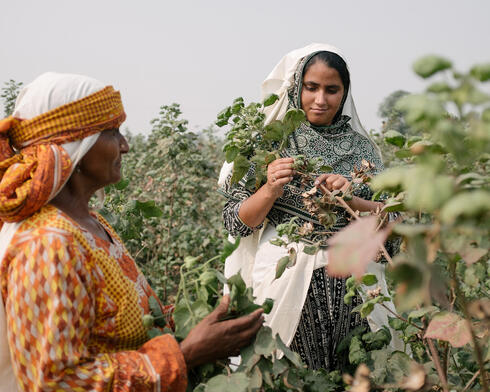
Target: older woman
column 73, row 297
column 309, row 311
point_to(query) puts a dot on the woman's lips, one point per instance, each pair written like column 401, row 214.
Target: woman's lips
column 318, row 111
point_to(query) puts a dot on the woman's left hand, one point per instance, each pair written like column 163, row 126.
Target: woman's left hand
column 332, row 181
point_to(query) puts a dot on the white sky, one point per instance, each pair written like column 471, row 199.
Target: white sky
column 203, row 54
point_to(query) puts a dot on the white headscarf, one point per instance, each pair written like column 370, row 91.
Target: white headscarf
column 47, row 92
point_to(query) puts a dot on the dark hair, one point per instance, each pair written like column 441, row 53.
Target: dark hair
column 336, row 62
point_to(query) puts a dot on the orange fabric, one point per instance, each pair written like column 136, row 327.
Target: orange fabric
column 41, row 166
column 74, row 305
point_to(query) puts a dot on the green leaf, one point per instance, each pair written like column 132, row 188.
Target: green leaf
column 249, row 358
column 255, row 379
column 398, row 366
column 481, row 72
column 185, row 319
column 235, row 382
column 156, row 311
column 369, row 279
column 237, row 281
column 393, row 206
column 292, row 120
column 267, row 305
column 403, row 153
column 288, row 353
column 472, row 204
column 310, row 249
column 281, row 266
column 122, row 184
column 395, row 138
column 439, row 87
column 279, row 366
column 229, row 248
column 231, row 153
column 397, row 324
column 149, row 209
column 366, row 309
column 270, row 100
column 325, row 169
column 377, row 340
column 390, row 179
column 154, row 332
column 274, row 131
column 422, row 312
column 431, row 64
column 427, row 190
column 264, row 343
column 240, row 168
column 357, row 354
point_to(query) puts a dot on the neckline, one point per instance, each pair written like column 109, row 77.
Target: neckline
column 84, row 230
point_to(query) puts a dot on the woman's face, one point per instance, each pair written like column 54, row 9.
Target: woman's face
column 102, row 163
column 321, row 93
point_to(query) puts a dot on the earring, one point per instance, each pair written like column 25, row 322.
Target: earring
column 78, row 169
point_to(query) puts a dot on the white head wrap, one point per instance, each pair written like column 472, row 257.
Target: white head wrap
column 47, row 92
column 278, row 83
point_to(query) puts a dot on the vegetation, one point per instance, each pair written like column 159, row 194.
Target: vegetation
column 169, row 215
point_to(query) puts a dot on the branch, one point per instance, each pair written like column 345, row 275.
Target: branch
column 437, row 363
column 400, row 317
column 468, row 385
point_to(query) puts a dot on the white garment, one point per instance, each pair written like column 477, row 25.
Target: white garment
column 256, row 258
column 47, row 92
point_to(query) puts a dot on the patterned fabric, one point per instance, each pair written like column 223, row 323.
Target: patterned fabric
column 325, row 321
column 29, row 177
column 74, row 305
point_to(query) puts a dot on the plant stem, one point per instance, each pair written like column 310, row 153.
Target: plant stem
column 472, row 380
column 437, row 363
column 463, row 304
column 401, row 318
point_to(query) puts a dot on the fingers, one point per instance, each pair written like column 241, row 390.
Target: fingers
column 221, row 310
column 243, row 323
column 333, row 181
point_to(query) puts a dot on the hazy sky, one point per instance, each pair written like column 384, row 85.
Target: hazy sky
column 203, row 54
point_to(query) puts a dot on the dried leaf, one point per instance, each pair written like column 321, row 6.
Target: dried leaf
column 449, row 327
column 354, row 247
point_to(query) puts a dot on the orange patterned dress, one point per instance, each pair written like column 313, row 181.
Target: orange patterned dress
column 74, row 305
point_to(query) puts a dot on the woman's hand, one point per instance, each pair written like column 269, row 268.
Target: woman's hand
column 279, row 173
column 332, row 182
column 213, row 339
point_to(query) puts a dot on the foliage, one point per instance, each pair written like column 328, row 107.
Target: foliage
column 10, row 90
column 393, row 117
column 167, row 213
column 166, row 207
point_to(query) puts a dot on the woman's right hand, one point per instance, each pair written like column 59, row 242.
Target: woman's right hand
column 279, row 173
column 213, row 339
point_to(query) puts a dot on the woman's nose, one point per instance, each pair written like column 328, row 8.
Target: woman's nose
column 320, row 98
column 123, row 145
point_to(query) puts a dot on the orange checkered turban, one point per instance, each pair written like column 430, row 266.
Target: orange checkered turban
column 33, row 164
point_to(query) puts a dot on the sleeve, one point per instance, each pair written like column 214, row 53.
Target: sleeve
column 236, row 195
column 50, row 310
